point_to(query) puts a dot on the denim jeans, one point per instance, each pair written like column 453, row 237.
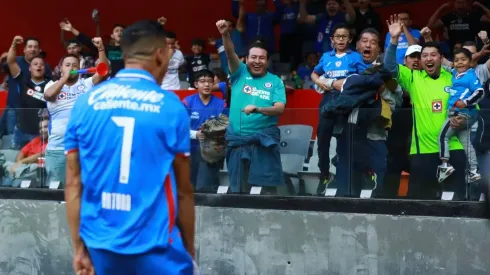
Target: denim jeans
column 55, row 166
column 204, row 176
column 8, row 121
column 20, row 139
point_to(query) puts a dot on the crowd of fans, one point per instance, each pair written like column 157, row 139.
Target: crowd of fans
column 408, row 102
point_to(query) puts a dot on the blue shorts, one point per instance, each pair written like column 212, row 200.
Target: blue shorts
column 173, row 260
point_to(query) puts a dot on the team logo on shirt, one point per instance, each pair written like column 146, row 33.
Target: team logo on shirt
column 450, row 90
column 37, row 88
column 30, row 92
column 268, row 85
column 400, row 39
column 247, row 89
column 338, row 64
column 62, row 96
column 199, row 62
column 81, row 88
column 437, row 106
column 194, row 115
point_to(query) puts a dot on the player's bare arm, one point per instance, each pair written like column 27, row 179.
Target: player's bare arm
column 185, row 198
column 233, row 60
column 73, row 193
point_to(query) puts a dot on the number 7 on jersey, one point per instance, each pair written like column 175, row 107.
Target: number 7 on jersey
column 127, row 123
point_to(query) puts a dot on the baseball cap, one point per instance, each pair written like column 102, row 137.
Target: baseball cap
column 413, row 49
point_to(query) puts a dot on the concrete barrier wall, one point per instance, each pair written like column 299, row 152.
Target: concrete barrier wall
column 34, row 239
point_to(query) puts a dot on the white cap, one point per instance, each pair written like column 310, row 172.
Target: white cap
column 413, row 49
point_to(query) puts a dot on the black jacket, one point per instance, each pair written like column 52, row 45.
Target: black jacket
column 482, row 140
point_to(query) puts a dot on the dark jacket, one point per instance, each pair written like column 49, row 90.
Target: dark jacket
column 482, row 140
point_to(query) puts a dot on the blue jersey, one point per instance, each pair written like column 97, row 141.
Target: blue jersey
column 403, row 45
column 326, row 24
column 199, row 112
column 128, row 131
column 340, row 67
column 466, row 87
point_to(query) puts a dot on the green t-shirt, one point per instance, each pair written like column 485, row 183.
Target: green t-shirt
column 259, row 91
column 429, row 111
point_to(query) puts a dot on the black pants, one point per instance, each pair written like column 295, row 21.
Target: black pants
column 324, row 134
column 423, row 182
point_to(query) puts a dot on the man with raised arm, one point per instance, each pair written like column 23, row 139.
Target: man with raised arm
column 258, row 99
column 128, row 195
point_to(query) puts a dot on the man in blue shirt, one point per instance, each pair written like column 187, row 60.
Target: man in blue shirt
column 201, row 107
column 289, row 40
column 31, row 50
column 259, row 23
column 237, row 38
column 327, row 22
column 409, row 37
column 127, row 144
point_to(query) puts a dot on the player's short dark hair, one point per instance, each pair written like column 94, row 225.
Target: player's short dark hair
column 142, row 39
column 464, row 51
column 39, row 57
column 32, row 39
column 171, row 35
column 341, row 26
column 431, row 45
column 203, row 73
column 260, row 43
column 469, row 44
column 69, row 55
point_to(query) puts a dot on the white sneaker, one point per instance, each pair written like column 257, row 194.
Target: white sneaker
column 444, row 171
column 474, row 175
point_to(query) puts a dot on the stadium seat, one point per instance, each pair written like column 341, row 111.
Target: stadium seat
column 184, row 85
column 295, row 139
column 308, row 84
column 9, row 154
column 6, row 142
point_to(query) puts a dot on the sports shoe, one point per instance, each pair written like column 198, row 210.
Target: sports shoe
column 474, row 175
column 370, row 180
column 444, row 171
column 323, row 184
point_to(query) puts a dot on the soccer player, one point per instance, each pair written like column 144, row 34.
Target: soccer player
column 129, row 199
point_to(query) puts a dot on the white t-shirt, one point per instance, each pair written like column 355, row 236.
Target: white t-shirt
column 171, row 80
column 60, row 110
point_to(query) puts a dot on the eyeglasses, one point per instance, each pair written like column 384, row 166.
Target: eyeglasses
column 342, row 37
column 204, row 81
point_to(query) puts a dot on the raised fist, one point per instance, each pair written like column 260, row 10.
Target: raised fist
column 18, row 40
column 483, row 35
column 222, row 27
column 97, row 41
column 425, row 32
column 66, row 26
column 162, row 20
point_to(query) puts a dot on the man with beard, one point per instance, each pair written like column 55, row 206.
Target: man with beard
column 327, row 22
column 27, row 127
column 463, row 24
column 61, row 96
column 258, row 98
column 429, row 98
column 31, row 50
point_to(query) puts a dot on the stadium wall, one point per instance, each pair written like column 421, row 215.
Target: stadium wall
column 264, row 235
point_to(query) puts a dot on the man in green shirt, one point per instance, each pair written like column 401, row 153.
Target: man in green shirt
column 258, row 98
column 429, row 100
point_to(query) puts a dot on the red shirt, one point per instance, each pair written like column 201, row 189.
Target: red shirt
column 35, row 146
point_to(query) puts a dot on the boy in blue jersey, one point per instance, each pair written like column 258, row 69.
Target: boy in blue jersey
column 201, row 107
column 128, row 195
column 334, row 65
column 465, row 94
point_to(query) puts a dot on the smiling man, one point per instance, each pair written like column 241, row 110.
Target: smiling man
column 258, row 99
column 426, row 89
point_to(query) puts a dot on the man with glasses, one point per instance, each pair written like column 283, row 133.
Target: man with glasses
column 201, row 107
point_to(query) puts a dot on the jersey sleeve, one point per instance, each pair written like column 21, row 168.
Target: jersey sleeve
column 179, row 139
column 71, row 136
column 405, row 77
column 235, row 76
column 416, row 34
column 88, row 83
column 319, row 67
column 279, row 92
